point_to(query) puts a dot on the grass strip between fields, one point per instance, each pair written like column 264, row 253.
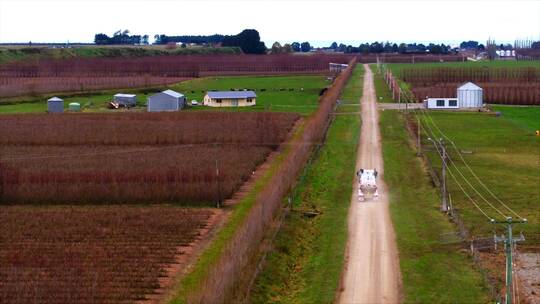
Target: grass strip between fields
column 306, row 262
column 432, row 272
column 211, row 255
column 382, row 92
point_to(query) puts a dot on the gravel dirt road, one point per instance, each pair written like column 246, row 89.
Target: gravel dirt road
column 371, row 273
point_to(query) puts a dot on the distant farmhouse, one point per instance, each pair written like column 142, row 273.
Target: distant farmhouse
column 469, row 95
column 167, row 100
column 230, row 99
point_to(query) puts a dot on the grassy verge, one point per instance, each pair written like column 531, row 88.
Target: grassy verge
column 432, row 272
column 211, row 254
column 306, row 262
column 382, row 92
column 296, row 93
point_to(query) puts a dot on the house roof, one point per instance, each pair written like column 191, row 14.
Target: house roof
column 172, row 93
column 232, row 94
column 124, row 95
column 469, row 86
column 55, row 99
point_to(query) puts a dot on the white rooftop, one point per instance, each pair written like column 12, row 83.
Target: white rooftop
column 172, row 93
column 55, row 99
column 469, row 86
column 124, row 95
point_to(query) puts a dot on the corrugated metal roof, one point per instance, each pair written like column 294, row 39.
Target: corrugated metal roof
column 232, row 94
column 469, row 86
column 55, row 99
column 172, row 93
column 124, row 95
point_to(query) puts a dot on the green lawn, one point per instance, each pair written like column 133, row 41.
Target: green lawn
column 504, row 153
column 306, row 262
column 277, row 95
column 281, row 93
column 432, row 272
column 526, row 117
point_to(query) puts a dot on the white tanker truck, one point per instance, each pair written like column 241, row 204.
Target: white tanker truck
column 367, row 185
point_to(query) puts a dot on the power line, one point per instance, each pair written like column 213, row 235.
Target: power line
column 470, row 169
column 472, row 187
column 461, row 187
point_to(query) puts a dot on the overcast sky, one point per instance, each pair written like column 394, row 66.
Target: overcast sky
column 319, row 21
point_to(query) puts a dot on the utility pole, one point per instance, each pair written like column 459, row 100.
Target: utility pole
column 444, row 192
column 418, row 140
column 444, row 202
column 218, row 204
column 509, row 242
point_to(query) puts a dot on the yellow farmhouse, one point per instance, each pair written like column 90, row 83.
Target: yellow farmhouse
column 230, row 99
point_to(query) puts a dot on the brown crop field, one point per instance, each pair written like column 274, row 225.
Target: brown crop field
column 78, row 74
column 134, row 157
column 501, row 85
column 92, row 254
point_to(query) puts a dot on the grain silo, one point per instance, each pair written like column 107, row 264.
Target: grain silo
column 470, row 96
column 55, row 105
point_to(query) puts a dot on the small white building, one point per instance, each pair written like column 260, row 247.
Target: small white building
column 55, row 105
column 167, row 100
column 337, row 67
column 441, row 103
column 468, row 95
column 126, row 100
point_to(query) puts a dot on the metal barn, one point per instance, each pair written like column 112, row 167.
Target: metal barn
column 167, row 100
column 55, row 105
column 126, row 100
column 470, row 96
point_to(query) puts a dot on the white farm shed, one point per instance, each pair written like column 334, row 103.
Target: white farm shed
column 470, row 95
column 441, row 103
column 55, row 105
column 126, row 100
column 167, row 100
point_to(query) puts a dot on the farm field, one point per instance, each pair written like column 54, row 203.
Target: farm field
column 397, row 67
column 90, row 254
column 432, row 272
column 307, row 257
column 134, row 157
column 39, row 77
column 506, row 82
column 20, row 52
column 277, row 95
column 501, row 151
column 525, row 117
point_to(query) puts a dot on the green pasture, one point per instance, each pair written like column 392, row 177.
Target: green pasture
column 503, row 152
column 294, row 93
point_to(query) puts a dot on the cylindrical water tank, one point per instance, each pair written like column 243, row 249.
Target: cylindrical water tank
column 470, row 96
